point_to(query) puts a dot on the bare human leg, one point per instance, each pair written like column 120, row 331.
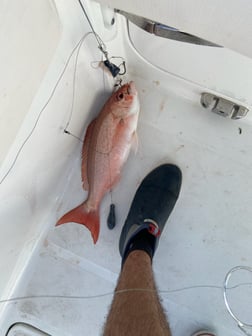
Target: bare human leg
column 136, row 309
column 136, row 312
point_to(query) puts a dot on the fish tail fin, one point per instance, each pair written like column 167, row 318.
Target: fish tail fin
column 82, row 215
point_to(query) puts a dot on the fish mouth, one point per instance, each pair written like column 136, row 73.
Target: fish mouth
column 132, row 88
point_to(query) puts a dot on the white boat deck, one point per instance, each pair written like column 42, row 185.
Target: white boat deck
column 208, row 233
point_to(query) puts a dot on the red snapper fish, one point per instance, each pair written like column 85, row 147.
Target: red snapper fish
column 108, row 140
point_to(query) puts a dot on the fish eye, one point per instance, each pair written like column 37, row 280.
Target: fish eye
column 120, row 96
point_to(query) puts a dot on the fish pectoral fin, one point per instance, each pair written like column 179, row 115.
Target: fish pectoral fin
column 85, row 155
column 134, row 142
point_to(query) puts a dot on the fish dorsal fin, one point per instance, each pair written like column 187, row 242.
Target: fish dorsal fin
column 85, row 154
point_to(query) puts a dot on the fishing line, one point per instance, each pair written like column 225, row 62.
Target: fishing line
column 73, row 93
column 74, row 136
column 241, row 324
column 74, row 89
column 80, row 297
column 78, row 45
column 43, row 108
column 113, row 68
column 101, row 44
column 111, row 219
column 116, row 72
column 87, row 297
column 224, row 289
column 102, row 47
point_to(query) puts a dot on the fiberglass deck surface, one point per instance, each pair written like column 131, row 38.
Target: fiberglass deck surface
column 207, row 234
column 199, row 244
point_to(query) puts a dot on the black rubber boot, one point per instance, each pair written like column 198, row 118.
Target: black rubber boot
column 150, row 209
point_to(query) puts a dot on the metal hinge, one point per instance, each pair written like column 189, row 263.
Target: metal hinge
column 223, row 107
